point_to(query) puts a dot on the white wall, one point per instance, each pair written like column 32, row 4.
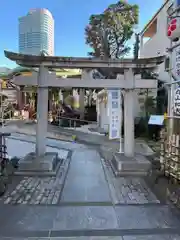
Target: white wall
column 158, row 44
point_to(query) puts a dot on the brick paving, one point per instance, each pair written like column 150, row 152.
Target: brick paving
column 128, row 190
column 134, row 191
column 35, row 191
column 38, row 190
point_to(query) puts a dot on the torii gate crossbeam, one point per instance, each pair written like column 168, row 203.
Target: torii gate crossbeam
column 53, row 81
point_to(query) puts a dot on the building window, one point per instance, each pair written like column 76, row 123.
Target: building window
column 170, row 9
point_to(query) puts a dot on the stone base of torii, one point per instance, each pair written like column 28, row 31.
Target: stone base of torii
column 40, row 161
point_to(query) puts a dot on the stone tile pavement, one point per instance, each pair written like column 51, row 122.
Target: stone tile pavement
column 149, row 237
column 85, row 201
column 32, row 190
column 133, row 191
column 128, row 190
column 30, row 139
column 61, row 133
column 48, row 190
column 36, row 221
column 38, row 190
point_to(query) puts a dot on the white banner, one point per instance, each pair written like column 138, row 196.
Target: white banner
column 115, row 113
column 177, row 62
column 176, row 106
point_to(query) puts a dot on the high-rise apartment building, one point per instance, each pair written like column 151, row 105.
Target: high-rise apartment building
column 36, row 32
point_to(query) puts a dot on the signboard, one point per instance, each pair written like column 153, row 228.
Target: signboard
column 173, row 28
column 177, row 101
column 156, row 120
column 177, row 62
column 115, row 113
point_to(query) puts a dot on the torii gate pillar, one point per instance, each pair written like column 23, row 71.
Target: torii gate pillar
column 42, row 112
column 129, row 141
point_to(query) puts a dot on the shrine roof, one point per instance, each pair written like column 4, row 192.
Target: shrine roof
column 15, row 71
column 19, row 70
column 83, row 63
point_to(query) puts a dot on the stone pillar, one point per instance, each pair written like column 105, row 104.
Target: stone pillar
column 81, row 103
column 98, row 111
column 42, row 112
column 86, row 75
column 129, row 114
column 60, row 96
column 90, row 97
column 25, row 98
column 75, row 99
column 20, row 97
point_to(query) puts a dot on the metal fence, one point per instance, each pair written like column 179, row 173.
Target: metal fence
column 72, row 122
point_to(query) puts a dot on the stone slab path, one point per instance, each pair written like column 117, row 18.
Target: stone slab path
column 86, row 180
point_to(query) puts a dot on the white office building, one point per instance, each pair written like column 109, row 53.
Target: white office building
column 36, row 32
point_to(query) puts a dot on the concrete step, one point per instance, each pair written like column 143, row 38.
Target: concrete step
column 31, row 165
column 134, row 237
column 139, row 165
column 145, row 222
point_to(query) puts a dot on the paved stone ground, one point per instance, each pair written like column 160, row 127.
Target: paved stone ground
column 150, row 237
column 85, row 201
column 129, row 190
column 35, row 191
column 66, row 135
column 47, row 190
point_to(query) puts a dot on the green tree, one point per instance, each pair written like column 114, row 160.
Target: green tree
column 150, row 106
column 108, row 33
column 162, row 98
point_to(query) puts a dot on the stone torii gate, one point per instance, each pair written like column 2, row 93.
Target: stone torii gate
column 126, row 80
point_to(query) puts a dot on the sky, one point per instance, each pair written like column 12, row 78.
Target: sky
column 71, row 17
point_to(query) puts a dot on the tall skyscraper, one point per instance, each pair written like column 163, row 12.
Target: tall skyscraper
column 36, row 32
